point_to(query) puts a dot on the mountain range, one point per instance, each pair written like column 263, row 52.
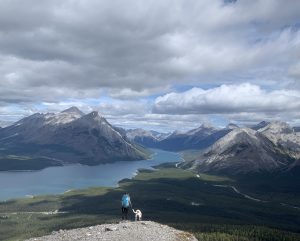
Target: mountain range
column 74, row 137
column 198, row 138
column 68, row 137
column 275, row 147
column 264, row 147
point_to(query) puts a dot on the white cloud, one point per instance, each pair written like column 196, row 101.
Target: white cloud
column 247, row 98
column 76, row 48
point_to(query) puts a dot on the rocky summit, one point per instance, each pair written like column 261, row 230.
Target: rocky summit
column 123, row 231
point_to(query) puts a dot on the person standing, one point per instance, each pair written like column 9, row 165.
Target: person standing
column 126, row 203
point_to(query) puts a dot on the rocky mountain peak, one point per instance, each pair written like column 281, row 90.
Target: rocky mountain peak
column 74, row 110
column 236, row 136
column 63, row 117
column 204, row 129
column 277, row 127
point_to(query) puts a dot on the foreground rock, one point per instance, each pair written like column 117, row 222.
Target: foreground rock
column 125, row 231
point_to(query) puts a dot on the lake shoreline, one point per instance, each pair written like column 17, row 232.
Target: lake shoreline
column 103, row 175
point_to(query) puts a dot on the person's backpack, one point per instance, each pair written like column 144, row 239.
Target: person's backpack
column 125, row 201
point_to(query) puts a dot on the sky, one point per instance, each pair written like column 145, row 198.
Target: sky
column 161, row 65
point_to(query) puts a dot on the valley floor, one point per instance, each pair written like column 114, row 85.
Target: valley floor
column 169, row 195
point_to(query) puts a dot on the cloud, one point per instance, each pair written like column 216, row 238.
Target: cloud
column 116, row 56
column 295, row 71
column 74, row 49
column 225, row 99
column 159, row 122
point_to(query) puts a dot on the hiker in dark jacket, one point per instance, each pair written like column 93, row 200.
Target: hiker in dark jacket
column 126, row 203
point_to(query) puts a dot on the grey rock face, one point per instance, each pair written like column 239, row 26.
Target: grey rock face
column 124, row 231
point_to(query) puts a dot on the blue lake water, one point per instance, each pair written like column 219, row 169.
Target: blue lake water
column 54, row 180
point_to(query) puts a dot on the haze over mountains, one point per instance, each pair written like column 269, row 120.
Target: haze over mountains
column 67, row 137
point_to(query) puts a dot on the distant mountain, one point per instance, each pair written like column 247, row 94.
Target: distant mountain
column 143, row 137
column 272, row 148
column 133, row 133
column 198, row 138
column 260, row 125
column 68, row 137
column 146, row 138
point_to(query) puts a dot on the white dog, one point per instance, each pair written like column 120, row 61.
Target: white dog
column 138, row 215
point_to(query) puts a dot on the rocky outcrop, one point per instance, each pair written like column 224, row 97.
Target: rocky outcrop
column 123, row 231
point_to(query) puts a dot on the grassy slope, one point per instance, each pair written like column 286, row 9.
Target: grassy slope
column 165, row 196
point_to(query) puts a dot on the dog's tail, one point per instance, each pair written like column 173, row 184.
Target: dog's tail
column 133, row 211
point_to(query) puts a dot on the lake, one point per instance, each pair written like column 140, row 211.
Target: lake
column 55, row 180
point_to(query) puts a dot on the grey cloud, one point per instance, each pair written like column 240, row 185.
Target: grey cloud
column 79, row 47
column 159, row 122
